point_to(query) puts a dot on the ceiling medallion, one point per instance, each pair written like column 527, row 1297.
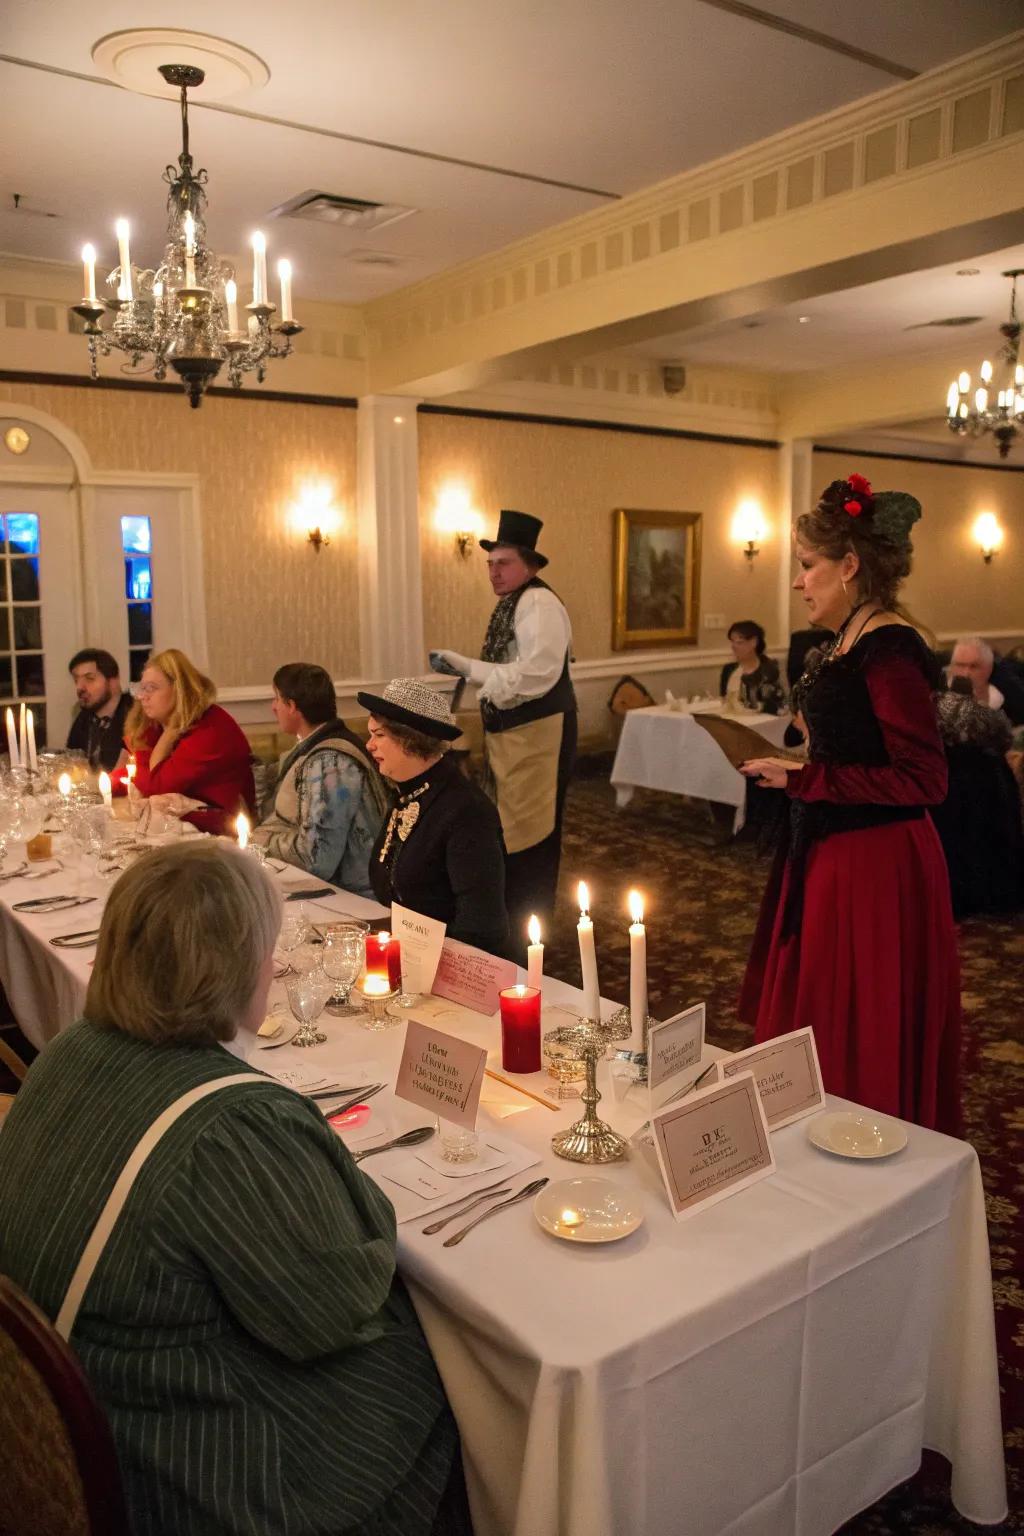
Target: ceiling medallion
column 999, row 410
column 185, row 313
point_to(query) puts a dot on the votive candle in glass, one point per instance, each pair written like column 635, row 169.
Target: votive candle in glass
column 384, row 958
column 520, row 1029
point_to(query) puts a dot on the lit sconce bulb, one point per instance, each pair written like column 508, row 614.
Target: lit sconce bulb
column 124, row 287
column 314, row 514
column 455, row 515
column 988, row 535
column 259, row 268
column 284, row 273
column 1018, row 377
column 749, row 528
column 89, row 263
column 981, row 401
column 964, row 383
column 986, row 372
column 231, row 300
column 952, row 400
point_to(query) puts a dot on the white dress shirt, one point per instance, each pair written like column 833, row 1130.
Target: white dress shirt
column 543, row 635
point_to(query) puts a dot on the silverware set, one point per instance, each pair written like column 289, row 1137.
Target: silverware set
column 354, row 1098
column 86, row 939
column 40, row 905
column 407, row 1139
column 503, row 1205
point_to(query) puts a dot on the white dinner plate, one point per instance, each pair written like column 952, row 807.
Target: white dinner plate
column 587, row 1210
column 848, row 1133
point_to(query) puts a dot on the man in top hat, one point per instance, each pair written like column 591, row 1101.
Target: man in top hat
column 529, row 714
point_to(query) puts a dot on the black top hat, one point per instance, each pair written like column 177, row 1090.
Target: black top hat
column 519, row 530
column 416, row 704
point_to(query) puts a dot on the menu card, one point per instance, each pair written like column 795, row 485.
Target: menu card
column 713, row 1144
column 787, row 1074
column 466, row 975
column 672, row 1049
column 441, row 1073
column 421, row 939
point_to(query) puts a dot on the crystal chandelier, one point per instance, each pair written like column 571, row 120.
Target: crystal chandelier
column 186, row 312
column 998, row 402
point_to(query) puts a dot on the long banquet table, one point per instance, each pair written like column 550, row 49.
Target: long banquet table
column 772, row 1365
column 664, row 748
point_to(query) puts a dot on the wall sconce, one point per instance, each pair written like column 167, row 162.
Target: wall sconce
column 314, row 515
column 455, row 515
column 988, row 535
column 749, row 528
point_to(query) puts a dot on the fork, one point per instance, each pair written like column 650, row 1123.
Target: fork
column 350, row 1102
column 490, row 1193
column 503, row 1205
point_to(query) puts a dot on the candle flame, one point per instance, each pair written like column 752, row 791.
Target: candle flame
column 284, row 268
column 64, row 782
column 520, row 990
column 130, row 770
column 583, row 897
column 104, row 785
column 121, row 229
column 383, row 937
column 89, row 253
column 259, row 241
column 533, row 929
column 636, row 907
column 376, row 986
column 242, row 829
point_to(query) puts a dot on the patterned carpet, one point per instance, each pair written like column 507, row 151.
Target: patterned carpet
column 703, row 897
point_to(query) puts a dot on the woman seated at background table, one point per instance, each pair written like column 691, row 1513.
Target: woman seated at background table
column 245, row 1329
column 753, row 680
column 185, row 744
column 440, row 850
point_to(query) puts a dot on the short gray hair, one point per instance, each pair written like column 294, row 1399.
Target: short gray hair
column 181, row 942
column 982, row 647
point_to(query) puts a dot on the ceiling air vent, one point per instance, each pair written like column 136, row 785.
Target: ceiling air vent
column 952, row 322
column 374, row 259
column 350, row 213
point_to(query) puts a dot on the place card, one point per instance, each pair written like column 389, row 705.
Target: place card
column 673, row 1047
column 713, row 1145
column 466, row 975
column 441, row 1073
column 787, row 1074
column 421, row 939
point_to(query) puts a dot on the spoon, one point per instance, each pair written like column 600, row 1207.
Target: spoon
column 409, row 1139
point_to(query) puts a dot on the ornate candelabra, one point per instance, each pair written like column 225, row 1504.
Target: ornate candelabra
column 638, row 1058
column 589, row 1140
column 997, row 405
column 185, row 314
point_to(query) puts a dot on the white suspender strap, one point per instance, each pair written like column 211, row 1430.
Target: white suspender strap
column 122, row 1188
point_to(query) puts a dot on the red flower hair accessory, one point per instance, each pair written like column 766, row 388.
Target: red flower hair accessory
column 861, row 495
column 859, row 484
column 853, row 507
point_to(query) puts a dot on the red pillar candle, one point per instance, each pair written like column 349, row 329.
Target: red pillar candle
column 520, row 1029
column 384, row 958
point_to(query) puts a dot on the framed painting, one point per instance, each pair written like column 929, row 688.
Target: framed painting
column 657, row 578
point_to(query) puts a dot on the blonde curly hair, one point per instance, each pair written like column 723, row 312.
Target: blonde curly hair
column 193, row 695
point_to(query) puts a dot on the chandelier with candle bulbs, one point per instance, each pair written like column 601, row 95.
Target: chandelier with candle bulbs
column 997, row 405
column 184, row 314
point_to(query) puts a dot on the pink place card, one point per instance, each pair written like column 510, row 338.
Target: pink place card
column 787, row 1074
column 441, row 1073
column 466, row 975
column 713, row 1145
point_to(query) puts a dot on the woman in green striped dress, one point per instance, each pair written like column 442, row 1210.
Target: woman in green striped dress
column 245, row 1330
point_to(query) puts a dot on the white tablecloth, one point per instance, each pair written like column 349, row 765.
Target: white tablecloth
column 662, row 748
column 772, row 1365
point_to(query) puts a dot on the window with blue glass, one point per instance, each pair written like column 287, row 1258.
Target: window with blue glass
column 22, row 671
column 137, row 545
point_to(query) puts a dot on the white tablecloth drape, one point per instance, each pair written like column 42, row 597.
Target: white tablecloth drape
column 662, row 748
column 773, row 1365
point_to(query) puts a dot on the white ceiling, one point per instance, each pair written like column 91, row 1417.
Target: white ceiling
column 587, row 93
column 862, row 325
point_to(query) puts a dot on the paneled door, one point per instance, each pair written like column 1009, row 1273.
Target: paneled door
column 40, row 603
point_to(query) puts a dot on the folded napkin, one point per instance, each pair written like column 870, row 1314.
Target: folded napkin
column 158, row 808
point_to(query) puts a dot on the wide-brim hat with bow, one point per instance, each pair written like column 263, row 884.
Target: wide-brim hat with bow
column 520, row 531
column 409, row 702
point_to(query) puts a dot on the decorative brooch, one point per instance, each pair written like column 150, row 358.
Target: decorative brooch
column 403, row 818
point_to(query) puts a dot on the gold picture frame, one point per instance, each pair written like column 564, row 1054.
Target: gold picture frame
column 657, row 578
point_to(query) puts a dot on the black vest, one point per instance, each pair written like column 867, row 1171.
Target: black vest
column 559, row 700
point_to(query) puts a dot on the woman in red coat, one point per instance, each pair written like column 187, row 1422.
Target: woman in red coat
column 856, row 935
column 185, row 744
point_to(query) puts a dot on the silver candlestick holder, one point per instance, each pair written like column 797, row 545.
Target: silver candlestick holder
column 589, row 1140
column 637, row 1058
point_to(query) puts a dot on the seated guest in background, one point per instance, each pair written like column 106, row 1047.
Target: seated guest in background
column 245, row 1329
column 993, row 682
column 98, row 728
column 440, row 852
column 185, row 744
column 328, row 803
column 752, row 681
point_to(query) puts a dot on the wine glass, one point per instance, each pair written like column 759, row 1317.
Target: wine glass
column 344, row 951
column 295, row 927
column 307, row 993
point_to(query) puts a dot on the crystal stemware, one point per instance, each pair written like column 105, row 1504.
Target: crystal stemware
column 307, row 993
column 342, row 960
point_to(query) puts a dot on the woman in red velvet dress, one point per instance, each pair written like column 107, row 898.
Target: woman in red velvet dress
column 856, row 935
column 185, row 744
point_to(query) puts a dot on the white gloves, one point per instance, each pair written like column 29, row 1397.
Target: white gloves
column 451, row 663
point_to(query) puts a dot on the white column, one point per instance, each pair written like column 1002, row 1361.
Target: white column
column 796, row 495
column 390, row 585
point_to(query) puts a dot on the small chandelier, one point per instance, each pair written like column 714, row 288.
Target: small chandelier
column 186, row 312
column 998, row 409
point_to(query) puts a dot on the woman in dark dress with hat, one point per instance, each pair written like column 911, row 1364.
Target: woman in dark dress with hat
column 856, row 935
column 440, row 850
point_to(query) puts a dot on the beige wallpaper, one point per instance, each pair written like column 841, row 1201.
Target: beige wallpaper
column 574, row 479
column 269, row 598
column 950, row 588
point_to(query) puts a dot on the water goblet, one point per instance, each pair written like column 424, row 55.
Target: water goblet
column 295, row 927
column 307, row 994
column 342, row 959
